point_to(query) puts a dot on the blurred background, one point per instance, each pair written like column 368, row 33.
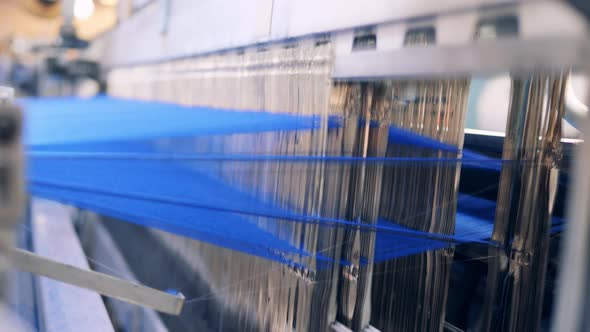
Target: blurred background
column 34, row 37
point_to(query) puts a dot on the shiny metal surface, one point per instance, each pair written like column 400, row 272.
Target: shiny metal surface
column 523, row 216
column 572, row 309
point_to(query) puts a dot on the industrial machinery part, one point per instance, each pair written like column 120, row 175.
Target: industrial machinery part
column 282, row 228
column 11, row 209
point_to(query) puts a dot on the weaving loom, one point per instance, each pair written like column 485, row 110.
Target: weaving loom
column 322, row 180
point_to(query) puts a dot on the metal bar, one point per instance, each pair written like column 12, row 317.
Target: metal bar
column 524, row 205
column 483, row 57
column 101, row 283
column 572, row 311
column 12, row 201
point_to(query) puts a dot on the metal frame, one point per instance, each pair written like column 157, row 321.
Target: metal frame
column 140, row 38
column 512, row 55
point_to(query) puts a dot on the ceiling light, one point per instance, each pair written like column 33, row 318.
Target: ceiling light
column 83, row 9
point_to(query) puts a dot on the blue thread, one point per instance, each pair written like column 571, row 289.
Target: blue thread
column 106, row 160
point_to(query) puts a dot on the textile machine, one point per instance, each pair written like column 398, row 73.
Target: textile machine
column 270, row 165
